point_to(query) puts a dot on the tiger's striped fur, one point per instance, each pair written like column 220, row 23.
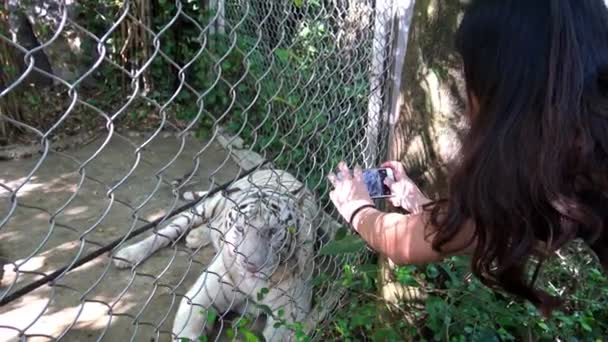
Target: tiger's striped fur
column 263, row 228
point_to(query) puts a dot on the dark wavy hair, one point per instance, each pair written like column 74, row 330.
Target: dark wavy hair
column 533, row 171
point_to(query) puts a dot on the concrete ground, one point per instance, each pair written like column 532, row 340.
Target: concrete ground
column 40, row 240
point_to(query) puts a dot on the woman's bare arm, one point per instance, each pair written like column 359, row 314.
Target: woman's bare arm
column 404, row 238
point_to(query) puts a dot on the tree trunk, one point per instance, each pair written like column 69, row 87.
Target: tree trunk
column 426, row 134
column 426, row 125
column 11, row 68
column 23, row 34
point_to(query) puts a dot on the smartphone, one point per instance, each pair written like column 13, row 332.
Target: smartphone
column 374, row 180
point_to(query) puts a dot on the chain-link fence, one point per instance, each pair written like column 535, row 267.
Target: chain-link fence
column 111, row 112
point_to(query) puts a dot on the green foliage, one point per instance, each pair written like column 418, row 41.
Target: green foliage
column 240, row 329
column 457, row 307
column 348, row 244
column 363, row 316
column 465, row 309
column 271, row 98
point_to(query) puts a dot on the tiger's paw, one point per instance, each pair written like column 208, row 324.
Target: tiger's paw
column 199, row 237
column 127, row 257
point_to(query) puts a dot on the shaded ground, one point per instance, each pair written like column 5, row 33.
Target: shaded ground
column 97, row 300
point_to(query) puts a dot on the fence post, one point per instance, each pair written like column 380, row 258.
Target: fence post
column 375, row 107
column 392, row 19
column 403, row 11
column 219, row 24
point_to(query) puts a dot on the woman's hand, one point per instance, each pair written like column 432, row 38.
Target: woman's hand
column 406, row 193
column 350, row 192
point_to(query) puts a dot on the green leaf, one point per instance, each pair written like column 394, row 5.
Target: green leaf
column 586, row 324
column 320, row 279
column 349, row 244
column 341, row 233
column 436, row 308
column 487, row 335
column 242, row 322
column 565, row 319
column 367, row 268
column 262, row 293
column 301, row 336
column 505, row 335
column 432, row 271
column 230, row 334
column 543, row 326
column 298, row 3
column 404, row 275
column 266, row 309
column 282, row 54
column 386, row 334
column 211, row 316
column 249, row 336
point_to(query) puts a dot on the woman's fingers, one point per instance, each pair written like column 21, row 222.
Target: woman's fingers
column 388, row 164
column 397, row 167
column 332, row 179
column 332, row 196
column 395, row 192
column 343, row 171
column 358, row 173
column 396, row 201
column 349, row 192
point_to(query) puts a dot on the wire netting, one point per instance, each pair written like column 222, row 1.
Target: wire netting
column 111, row 110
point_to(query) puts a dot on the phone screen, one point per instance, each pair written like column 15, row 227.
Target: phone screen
column 374, row 180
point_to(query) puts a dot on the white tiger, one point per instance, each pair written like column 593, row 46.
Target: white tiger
column 263, row 228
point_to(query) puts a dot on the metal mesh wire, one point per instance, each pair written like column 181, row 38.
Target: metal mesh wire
column 117, row 107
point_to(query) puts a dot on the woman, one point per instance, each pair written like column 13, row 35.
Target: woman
column 533, row 170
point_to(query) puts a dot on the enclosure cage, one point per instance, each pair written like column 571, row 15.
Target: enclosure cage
column 112, row 111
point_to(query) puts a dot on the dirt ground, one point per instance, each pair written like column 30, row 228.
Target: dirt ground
column 97, row 301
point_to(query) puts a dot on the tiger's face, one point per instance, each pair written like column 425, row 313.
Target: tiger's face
column 260, row 232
